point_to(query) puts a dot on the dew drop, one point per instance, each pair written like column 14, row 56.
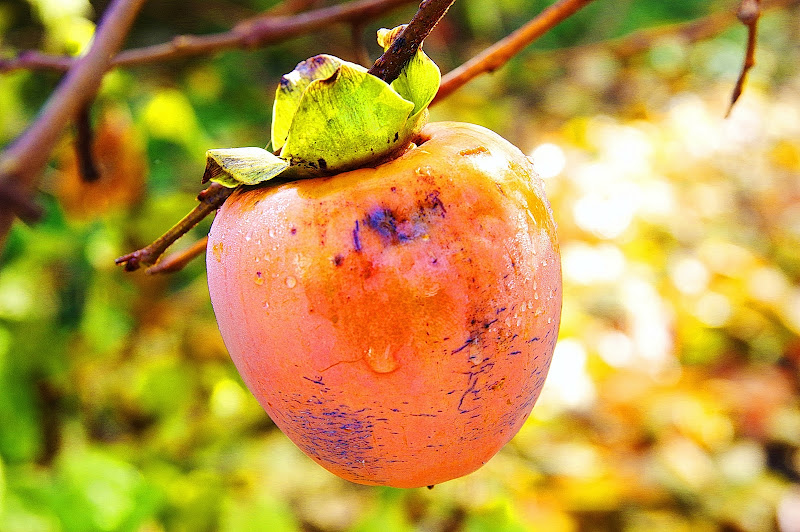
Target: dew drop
column 291, row 282
column 271, row 233
column 381, row 360
column 423, row 170
column 523, row 307
column 549, row 320
column 248, row 237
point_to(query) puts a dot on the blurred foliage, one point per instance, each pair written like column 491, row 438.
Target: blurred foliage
column 673, row 400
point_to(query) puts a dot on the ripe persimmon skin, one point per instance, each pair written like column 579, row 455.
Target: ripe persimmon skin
column 397, row 323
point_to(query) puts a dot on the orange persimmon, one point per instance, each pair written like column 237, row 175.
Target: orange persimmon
column 396, row 322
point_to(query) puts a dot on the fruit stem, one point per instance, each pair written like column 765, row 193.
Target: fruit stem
column 391, row 63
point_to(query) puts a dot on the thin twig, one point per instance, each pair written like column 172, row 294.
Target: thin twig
column 250, row 33
column 210, row 200
column 499, row 53
column 389, row 65
column 178, row 260
column 749, row 12
column 23, row 162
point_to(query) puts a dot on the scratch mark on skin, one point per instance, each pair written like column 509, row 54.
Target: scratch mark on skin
column 474, row 390
column 357, row 237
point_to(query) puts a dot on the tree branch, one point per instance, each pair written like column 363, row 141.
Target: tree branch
column 210, row 200
column 251, row 33
column 389, row 65
column 499, row 53
column 25, row 159
column 178, row 260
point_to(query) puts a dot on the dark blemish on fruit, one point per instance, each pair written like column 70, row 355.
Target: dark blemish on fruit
column 293, row 231
column 397, row 228
column 357, row 237
column 338, row 260
column 393, row 189
column 431, row 486
column 434, row 204
column 396, row 136
column 323, row 164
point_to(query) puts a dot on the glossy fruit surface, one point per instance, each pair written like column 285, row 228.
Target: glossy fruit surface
column 397, row 322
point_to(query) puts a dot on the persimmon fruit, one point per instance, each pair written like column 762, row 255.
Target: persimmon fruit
column 396, row 322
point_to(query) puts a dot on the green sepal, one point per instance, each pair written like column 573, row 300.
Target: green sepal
column 331, row 115
column 290, row 91
column 232, row 167
column 347, row 120
column 419, row 81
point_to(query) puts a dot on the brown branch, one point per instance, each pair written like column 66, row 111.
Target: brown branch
column 403, row 48
column 23, row 162
column 251, row 33
column 178, row 260
column 499, row 53
column 749, row 12
column 210, row 200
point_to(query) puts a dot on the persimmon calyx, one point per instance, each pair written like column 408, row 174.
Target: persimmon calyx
column 331, row 115
column 232, row 167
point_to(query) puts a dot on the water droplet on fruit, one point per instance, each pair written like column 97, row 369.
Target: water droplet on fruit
column 271, row 233
column 381, row 360
column 523, row 307
column 291, row 282
column 248, row 237
column 424, row 170
column 549, row 320
column 266, row 304
column 259, row 279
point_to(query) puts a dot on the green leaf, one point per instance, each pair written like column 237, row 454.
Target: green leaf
column 242, row 166
column 419, row 81
column 349, row 119
column 290, row 92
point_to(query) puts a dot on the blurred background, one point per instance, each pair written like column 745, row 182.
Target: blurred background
column 673, row 402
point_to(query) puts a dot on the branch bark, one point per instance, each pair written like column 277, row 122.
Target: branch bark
column 499, row 53
column 210, row 200
column 24, row 160
column 389, row 65
column 251, row 33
